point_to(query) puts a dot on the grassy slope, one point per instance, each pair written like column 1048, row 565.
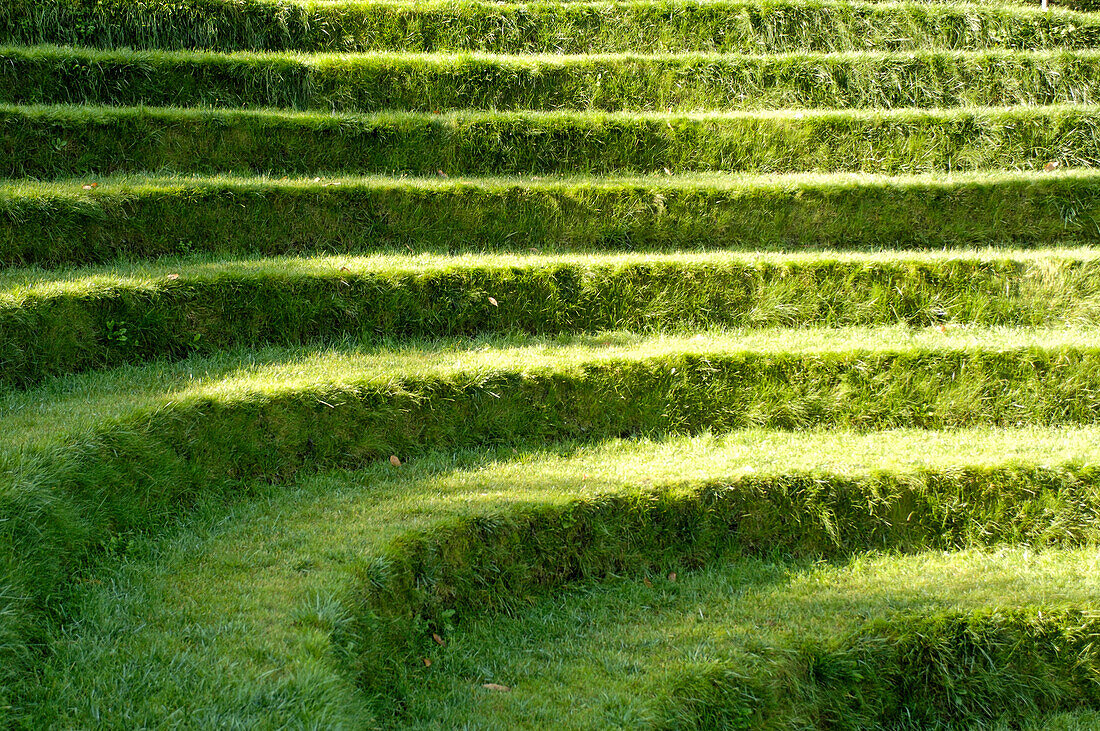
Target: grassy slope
column 71, row 140
column 240, row 637
column 438, row 82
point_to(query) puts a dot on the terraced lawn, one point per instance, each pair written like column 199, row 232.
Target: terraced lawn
column 570, row 363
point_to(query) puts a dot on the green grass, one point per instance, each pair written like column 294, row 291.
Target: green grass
column 228, row 622
column 71, row 140
column 53, row 224
column 56, row 322
column 740, row 643
column 545, row 27
column 435, row 82
column 89, row 460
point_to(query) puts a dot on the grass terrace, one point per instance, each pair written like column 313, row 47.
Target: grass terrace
column 649, row 364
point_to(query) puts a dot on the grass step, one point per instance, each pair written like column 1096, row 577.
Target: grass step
column 735, row 26
column 85, row 459
column 926, row 640
column 253, row 617
column 54, row 323
column 65, row 141
column 430, row 83
column 62, row 223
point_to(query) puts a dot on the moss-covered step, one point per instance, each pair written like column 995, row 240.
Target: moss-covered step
column 241, row 603
column 735, row 26
column 55, row 141
column 57, row 322
column 443, row 82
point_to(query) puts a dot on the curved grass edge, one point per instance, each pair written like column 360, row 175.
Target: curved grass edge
column 63, row 507
column 427, row 581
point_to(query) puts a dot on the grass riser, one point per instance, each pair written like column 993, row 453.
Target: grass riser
column 735, row 27
column 270, row 218
column 427, row 84
column 112, row 325
column 427, row 582
column 70, row 141
column 945, row 670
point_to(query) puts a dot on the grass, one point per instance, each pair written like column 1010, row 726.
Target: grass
column 138, row 217
column 546, row 27
column 753, row 628
column 92, row 459
column 227, row 623
column 57, row 322
column 67, row 141
column 677, row 363
column 439, row 82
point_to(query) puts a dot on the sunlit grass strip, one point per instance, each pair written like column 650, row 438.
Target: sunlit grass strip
column 56, row 324
column 427, row 83
column 575, row 27
column 140, row 218
column 60, row 141
column 432, row 579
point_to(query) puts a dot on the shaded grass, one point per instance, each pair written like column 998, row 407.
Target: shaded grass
column 61, row 223
column 574, row 27
column 65, row 141
column 55, row 323
column 432, row 83
column 228, row 623
column 753, row 643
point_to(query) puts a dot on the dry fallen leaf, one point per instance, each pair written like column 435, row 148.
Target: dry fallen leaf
column 647, row 582
column 493, row 302
column 672, row 576
column 394, row 460
column 668, row 172
column 442, row 174
column 496, row 686
column 427, row 662
column 1051, row 166
column 173, row 276
column 943, row 328
column 438, row 640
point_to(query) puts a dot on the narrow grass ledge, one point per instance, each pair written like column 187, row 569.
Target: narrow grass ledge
column 58, row 323
column 433, row 82
column 546, row 27
column 56, row 224
column 931, row 669
column 67, row 141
